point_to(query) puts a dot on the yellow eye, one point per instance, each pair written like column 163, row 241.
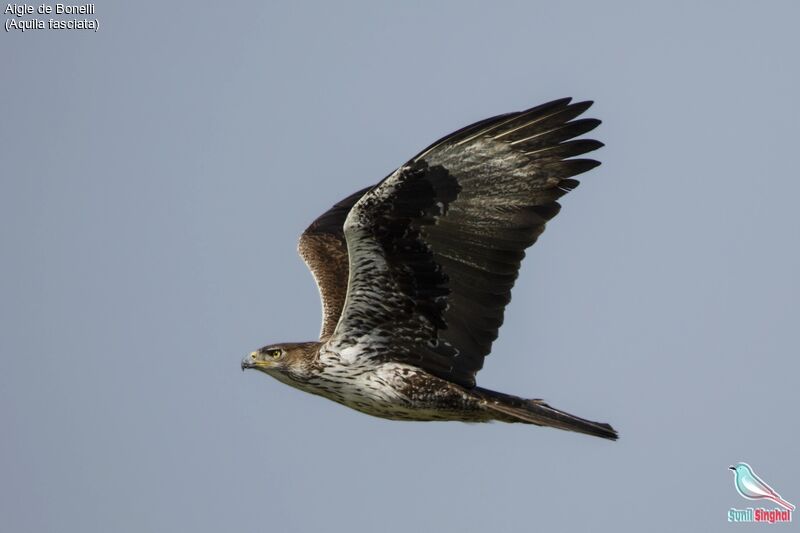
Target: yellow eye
column 275, row 354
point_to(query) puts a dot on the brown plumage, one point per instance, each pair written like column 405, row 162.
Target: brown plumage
column 324, row 249
column 415, row 273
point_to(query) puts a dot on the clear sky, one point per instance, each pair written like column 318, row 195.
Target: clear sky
column 157, row 173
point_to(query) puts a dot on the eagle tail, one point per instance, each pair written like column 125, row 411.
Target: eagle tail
column 515, row 409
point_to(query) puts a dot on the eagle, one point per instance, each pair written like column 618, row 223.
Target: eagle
column 415, row 273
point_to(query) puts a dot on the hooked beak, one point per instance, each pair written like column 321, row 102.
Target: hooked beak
column 251, row 361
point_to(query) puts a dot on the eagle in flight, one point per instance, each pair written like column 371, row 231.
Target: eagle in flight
column 415, row 273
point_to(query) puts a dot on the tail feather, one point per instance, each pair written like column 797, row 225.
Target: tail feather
column 537, row 412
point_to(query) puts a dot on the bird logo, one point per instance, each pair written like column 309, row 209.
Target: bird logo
column 752, row 487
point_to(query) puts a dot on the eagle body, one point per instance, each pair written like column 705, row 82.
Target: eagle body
column 396, row 391
column 415, row 273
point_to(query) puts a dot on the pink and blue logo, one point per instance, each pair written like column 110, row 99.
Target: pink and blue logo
column 752, row 487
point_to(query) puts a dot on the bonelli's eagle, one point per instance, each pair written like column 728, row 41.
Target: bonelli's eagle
column 415, row 273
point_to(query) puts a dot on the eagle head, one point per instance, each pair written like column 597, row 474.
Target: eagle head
column 282, row 360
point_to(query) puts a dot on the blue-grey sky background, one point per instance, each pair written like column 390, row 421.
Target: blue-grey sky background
column 157, row 174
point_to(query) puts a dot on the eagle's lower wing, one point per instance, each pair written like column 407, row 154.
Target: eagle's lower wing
column 324, row 250
column 436, row 247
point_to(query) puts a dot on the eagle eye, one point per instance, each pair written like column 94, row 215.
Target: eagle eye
column 275, row 354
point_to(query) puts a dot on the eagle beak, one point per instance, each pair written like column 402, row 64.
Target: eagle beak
column 257, row 361
column 249, row 361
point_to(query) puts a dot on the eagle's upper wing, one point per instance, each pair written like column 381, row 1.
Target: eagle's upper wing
column 435, row 248
column 322, row 246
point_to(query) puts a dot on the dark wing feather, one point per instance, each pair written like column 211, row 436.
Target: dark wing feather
column 436, row 247
column 324, row 250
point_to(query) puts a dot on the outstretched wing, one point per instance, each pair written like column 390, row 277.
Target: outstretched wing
column 324, row 250
column 435, row 248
